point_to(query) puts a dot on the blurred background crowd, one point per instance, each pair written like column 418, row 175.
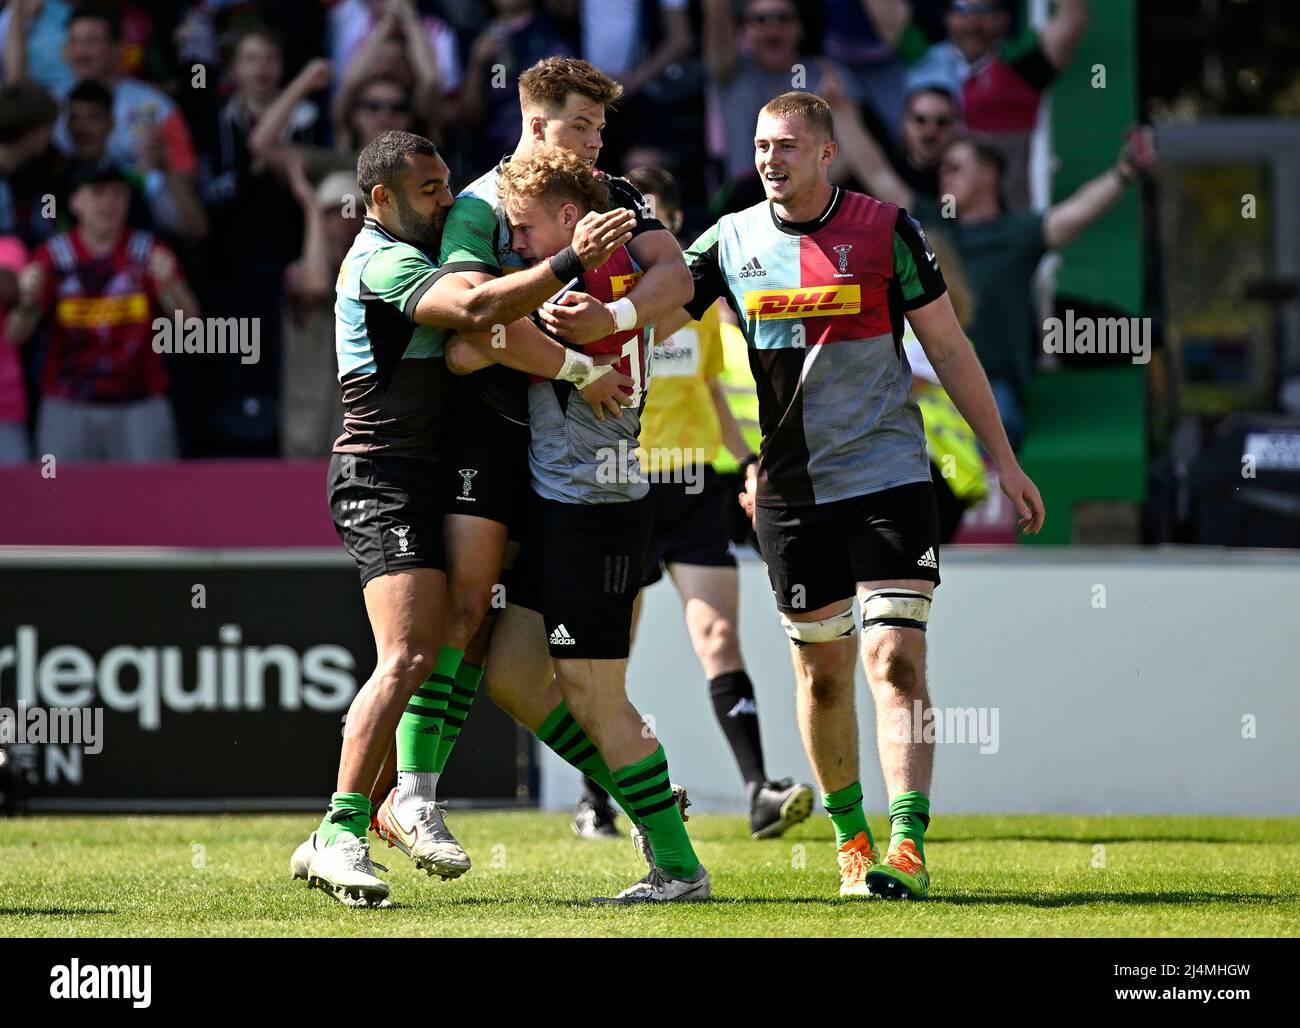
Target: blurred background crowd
column 164, row 156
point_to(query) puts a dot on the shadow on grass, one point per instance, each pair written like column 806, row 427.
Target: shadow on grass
column 1093, row 840
column 52, row 911
column 1135, row 899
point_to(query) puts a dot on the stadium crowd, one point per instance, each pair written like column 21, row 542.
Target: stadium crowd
column 196, row 160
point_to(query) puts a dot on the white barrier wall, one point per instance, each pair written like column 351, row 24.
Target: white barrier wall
column 1104, row 681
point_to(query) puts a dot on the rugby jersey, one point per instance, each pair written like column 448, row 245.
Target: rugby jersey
column 821, row 304
column 392, row 370
column 476, row 237
column 572, row 456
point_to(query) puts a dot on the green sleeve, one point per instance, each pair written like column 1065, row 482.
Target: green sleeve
column 469, row 237
column 706, row 271
column 916, row 269
column 398, row 275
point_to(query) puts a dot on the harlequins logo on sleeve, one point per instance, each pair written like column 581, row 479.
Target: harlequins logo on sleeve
column 466, row 477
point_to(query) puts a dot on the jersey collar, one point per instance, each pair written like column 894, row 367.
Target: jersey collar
column 802, row 228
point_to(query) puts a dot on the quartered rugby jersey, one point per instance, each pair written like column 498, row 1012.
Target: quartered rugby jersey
column 476, row 237
column 392, row 370
column 572, row 456
column 821, row 304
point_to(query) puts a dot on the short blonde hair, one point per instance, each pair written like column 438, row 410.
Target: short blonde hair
column 815, row 111
column 549, row 82
column 553, row 173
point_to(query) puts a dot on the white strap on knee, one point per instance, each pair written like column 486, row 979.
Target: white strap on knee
column 895, row 608
column 837, row 626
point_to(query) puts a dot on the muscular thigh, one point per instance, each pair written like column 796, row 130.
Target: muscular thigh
column 405, row 610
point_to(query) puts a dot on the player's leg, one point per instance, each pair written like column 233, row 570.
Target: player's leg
column 806, row 551
column 710, row 602
column 519, row 678
column 595, row 691
column 895, row 554
column 405, row 610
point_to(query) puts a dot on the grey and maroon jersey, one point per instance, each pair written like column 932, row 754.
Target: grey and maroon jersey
column 821, row 304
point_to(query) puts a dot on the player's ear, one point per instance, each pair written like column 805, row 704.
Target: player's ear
column 378, row 195
column 537, row 127
column 678, row 219
column 829, row 149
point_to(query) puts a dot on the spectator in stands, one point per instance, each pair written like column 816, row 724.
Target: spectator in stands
column 649, row 46
column 33, row 32
column 928, row 128
column 29, row 163
column 355, row 22
column 101, row 285
column 853, row 40
column 517, row 38
column 14, row 446
column 161, row 198
column 999, row 80
column 750, row 66
column 1000, row 251
column 380, row 104
column 145, row 120
column 400, row 48
column 255, row 223
column 311, row 408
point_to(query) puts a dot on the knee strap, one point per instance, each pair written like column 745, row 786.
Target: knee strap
column 895, row 608
column 837, row 626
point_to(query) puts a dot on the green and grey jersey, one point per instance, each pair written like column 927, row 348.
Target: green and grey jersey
column 392, row 370
column 821, row 304
column 476, row 237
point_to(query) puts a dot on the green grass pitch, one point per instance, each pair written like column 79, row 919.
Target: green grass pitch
column 993, row 875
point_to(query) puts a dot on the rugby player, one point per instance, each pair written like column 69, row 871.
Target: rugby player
column 393, row 311
column 563, row 102
column 557, row 661
column 686, row 422
column 841, row 497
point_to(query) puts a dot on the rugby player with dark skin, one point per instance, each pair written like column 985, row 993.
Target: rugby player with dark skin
column 406, row 608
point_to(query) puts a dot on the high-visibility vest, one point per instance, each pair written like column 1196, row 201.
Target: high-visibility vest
column 737, row 383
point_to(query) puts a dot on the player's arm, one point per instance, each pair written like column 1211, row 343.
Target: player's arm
column 929, row 311
column 451, row 302
column 1065, row 221
column 665, row 283
column 524, row 347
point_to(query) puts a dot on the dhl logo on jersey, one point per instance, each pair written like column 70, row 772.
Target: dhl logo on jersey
column 102, row 311
column 805, row 302
column 621, row 285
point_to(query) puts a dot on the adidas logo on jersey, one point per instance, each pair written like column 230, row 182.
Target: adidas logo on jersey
column 753, row 269
column 928, row 560
column 561, row 637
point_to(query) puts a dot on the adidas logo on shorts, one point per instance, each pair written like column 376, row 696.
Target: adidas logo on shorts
column 561, row 637
column 928, row 560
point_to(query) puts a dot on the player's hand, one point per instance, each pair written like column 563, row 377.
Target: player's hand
column 578, row 318
column 749, row 498
column 597, row 236
column 1139, row 154
column 612, row 391
column 1023, row 494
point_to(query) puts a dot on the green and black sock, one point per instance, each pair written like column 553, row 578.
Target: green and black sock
column 348, row 814
column 561, row 733
column 845, row 809
column 419, row 733
column 909, row 817
column 463, row 691
column 649, row 791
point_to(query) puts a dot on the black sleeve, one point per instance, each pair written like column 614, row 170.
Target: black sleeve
column 623, row 194
column 916, row 268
